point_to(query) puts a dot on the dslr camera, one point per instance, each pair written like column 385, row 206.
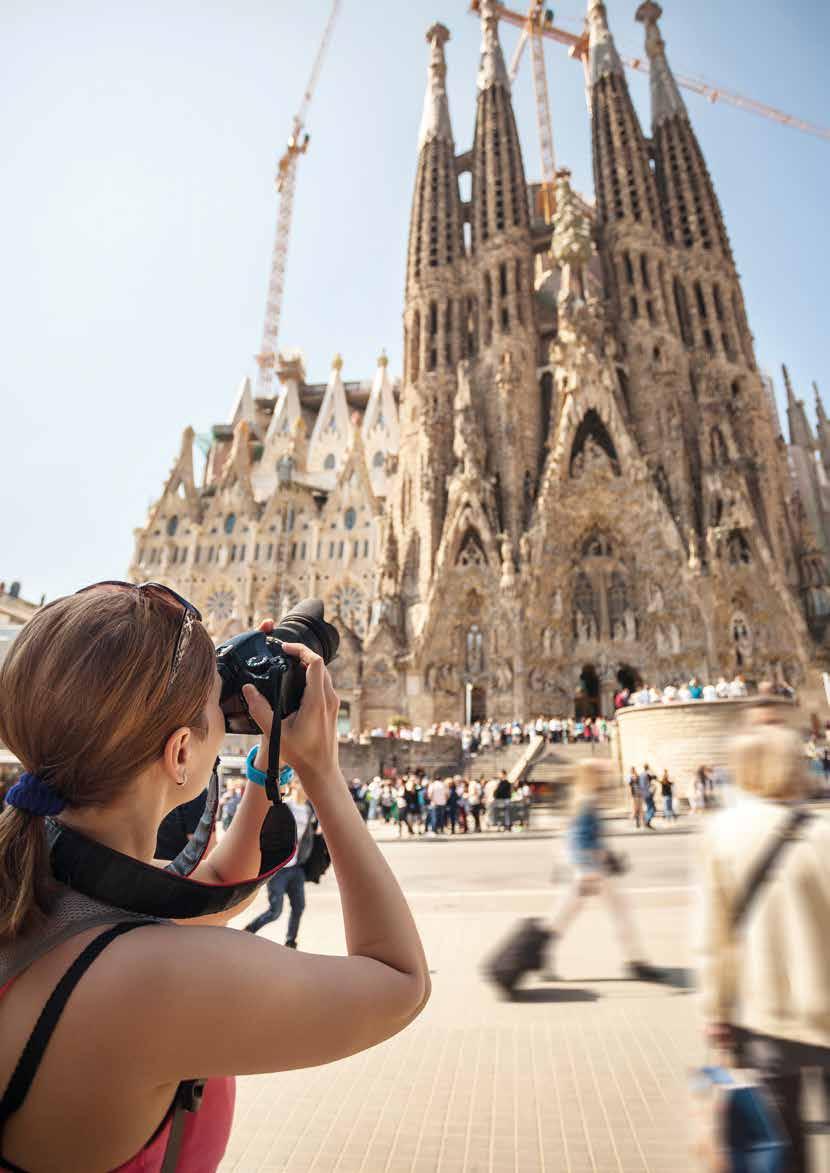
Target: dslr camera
column 258, row 658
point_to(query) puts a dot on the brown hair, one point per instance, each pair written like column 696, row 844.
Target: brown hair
column 84, row 705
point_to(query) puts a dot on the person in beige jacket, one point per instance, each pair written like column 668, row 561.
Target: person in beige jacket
column 766, row 986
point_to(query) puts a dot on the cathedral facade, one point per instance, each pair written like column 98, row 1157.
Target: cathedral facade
column 579, row 481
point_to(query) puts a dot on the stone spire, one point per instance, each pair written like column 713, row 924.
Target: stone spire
column 801, row 434
column 666, row 101
column 623, row 178
column 499, row 195
column 435, row 121
column 330, row 437
column 435, row 234
column 603, row 57
column 691, row 211
column 822, row 430
column 491, row 70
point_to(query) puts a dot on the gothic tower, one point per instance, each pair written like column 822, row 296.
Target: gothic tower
column 501, row 264
column 636, row 272
column 435, row 341
column 740, row 478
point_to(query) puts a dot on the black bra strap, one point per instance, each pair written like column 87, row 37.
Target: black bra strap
column 29, row 1062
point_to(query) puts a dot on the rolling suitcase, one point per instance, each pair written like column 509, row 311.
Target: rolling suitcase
column 521, row 952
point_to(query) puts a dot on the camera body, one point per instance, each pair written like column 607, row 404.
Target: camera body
column 258, row 658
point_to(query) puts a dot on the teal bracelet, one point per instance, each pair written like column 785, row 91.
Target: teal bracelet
column 251, row 772
column 259, row 776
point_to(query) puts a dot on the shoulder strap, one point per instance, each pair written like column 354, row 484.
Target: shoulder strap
column 29, row 1062
column 761, row 872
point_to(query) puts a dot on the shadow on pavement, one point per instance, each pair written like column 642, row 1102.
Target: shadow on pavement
column 554, row 994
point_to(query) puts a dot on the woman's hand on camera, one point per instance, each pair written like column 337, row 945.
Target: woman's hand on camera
column 309, row 736
column 258, row 706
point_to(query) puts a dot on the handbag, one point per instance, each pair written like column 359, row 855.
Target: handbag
column 739, row 1129
column 319, row 860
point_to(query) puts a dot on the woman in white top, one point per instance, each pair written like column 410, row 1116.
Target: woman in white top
column 766, row 986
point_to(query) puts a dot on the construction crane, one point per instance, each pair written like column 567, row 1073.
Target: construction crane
column 286, row 182
column 538, row 23
column 536, row 20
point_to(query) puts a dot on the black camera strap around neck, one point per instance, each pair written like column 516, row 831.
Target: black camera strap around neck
column 171, row 893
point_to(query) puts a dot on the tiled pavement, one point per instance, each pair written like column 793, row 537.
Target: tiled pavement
column 587, row 1075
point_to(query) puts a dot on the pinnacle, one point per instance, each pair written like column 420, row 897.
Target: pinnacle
column 337, row 362
column 438, row 34
column 648, row 12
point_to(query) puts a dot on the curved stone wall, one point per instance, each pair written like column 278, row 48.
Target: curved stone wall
column 680, row 737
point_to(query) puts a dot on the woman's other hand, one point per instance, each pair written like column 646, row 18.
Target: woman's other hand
column 309, row 736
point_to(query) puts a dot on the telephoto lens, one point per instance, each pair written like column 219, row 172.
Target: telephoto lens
column 257, row 657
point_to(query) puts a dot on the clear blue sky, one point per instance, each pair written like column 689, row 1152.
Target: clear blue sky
column 138, row 211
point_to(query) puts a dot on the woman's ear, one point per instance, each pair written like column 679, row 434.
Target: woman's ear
column 176, row 755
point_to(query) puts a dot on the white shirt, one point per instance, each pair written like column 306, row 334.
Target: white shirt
column 437, row 793
column 301, row 815
column 709, row 692
column 775, row 978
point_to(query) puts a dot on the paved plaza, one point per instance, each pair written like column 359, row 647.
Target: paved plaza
column 586, row 1075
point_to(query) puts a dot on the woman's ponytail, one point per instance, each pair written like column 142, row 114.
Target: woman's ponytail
column 25, row 880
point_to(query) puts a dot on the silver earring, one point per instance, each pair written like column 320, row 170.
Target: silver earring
column 183, row 780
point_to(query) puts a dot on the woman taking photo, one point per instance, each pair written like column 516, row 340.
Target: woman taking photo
column 766, row 902
column 110, row 699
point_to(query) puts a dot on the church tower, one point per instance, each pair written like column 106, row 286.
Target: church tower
column 435, row 341
column 501, row 262
column 635, row 265
column 736, row 429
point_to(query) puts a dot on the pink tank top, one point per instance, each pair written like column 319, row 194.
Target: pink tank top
column 204, row 1139
column 206, row 1135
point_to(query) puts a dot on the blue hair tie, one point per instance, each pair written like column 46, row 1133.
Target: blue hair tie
column 31, row 794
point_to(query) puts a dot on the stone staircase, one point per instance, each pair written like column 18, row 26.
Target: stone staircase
column 551, row 772
column 489, row 763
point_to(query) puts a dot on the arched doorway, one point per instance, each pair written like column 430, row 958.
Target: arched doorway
column 586, row 698
column 628, row 677
column 478, row 704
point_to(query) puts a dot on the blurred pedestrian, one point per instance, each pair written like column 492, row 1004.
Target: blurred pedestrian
column 437, row 794
column 667, row 794
column 594, row 870
column 636, row 797
column 766, row 950
column 290, row 881
column 646, row 781
column 475, row 799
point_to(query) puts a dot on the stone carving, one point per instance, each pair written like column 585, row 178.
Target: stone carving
column 661, row 642
column 557, row 605
column 381, row 675
column 655, row 599
column 503, row 676
column 540, row 681
column 592, row 459
column 443, row 678
column 742, row 636
column 552, row 642
column 674, row 638
column 630, row 626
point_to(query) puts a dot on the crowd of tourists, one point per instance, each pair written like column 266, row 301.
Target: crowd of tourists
column 483, row 736
column 455, row 805
column 693, row 690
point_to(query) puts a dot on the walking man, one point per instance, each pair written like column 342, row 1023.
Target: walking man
column 647, row 793
column 290, row 881
column 667, row 791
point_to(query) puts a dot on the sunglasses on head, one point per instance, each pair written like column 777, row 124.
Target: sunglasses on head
column 166, row 594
